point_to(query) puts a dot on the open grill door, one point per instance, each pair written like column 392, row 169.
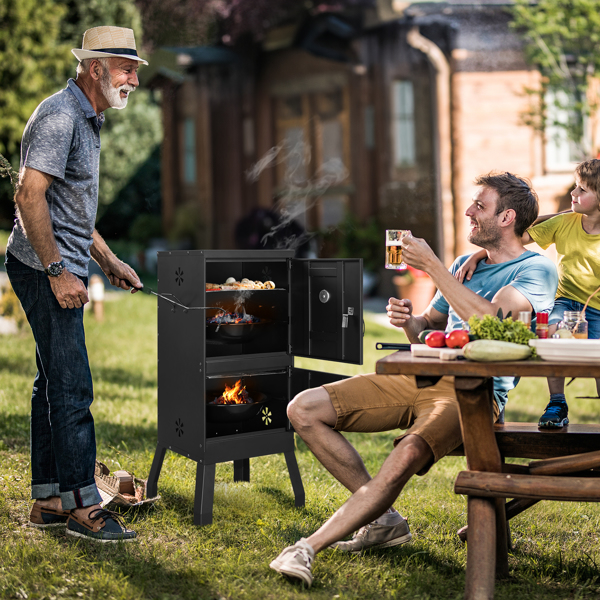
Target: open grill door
column 326, row 309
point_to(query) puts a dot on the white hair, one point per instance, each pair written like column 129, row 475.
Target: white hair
column 84, row 66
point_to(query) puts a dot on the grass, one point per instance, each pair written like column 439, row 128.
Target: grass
column 556, row 553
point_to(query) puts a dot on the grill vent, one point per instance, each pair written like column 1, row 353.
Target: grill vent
column 179, row 427
column 179, row 276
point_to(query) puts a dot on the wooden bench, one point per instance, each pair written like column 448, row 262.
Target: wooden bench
column 526, row 440
column 558, row 451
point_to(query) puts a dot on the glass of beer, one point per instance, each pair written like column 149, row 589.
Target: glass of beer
column 393, row 248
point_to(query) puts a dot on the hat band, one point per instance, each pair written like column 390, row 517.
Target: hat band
column 128, row 51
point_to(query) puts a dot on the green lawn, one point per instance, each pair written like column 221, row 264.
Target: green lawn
column 556, row 551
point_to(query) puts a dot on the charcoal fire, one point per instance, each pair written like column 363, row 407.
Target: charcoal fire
column 234, row 395
column 233, row 318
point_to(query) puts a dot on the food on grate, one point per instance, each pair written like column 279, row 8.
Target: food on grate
column 244, row 284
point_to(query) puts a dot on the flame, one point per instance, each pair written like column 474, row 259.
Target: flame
column 235, row 395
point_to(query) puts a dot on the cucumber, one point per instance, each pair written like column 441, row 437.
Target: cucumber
column 495, row 350
column 423, row 335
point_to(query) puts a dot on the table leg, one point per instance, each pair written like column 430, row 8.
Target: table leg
column 481, row 549
column 489, row 545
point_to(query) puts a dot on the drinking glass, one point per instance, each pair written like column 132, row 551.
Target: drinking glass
column 393, row 248
column 574, row 321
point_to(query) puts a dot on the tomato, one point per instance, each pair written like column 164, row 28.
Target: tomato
column 435, row 339
column 457, row 338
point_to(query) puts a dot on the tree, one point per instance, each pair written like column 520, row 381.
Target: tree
column 562, row 40
column 31, row 66
column 202, row 22
column 36, row 37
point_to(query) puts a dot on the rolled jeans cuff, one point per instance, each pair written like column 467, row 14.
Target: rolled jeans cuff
column 39, row 491
column 84, row 496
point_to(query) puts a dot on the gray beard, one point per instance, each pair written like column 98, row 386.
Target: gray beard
column 113, row 94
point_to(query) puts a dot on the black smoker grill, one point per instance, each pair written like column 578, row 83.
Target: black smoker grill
column 315, row 311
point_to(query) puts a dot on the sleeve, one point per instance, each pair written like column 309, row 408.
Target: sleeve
column 537, row 281
column 544, row 234
column 49, row 145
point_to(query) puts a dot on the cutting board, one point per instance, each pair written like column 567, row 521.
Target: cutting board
column 423, row 350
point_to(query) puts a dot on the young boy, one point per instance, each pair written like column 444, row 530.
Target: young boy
column 576, row 236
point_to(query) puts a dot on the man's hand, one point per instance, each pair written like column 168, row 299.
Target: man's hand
column 121, row 275
column 399, row 311
column 69, row 290
column 417, row 253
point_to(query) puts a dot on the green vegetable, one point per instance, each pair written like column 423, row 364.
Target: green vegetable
column 494, row 350
column 494, row 328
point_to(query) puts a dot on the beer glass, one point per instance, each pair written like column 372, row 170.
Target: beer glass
column 393, row 248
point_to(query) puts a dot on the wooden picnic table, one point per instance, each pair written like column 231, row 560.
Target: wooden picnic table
column 487, row 549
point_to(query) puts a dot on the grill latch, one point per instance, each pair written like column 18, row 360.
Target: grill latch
column 345, row 317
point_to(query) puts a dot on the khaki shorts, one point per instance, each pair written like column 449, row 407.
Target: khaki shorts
column 370, row 403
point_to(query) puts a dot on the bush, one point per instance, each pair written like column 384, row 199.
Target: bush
column 11, row 307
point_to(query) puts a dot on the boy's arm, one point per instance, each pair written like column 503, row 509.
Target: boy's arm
column 527, row 239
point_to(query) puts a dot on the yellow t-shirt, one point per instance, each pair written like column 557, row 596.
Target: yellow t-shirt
column 578, row 256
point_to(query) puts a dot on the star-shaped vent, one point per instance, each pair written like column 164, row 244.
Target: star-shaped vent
column 179, row 276
column 179, row 427
column 266, row 416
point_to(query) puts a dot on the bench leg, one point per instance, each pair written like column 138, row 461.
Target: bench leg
column 502, row 539
column 481, row 549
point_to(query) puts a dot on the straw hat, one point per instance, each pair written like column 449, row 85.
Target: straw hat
column 100, row 42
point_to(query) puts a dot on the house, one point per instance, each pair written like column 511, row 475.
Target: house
column 389, row 111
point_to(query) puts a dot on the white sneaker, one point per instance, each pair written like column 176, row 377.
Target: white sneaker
column 296, row 562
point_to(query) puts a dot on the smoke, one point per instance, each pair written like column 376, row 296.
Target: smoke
column 301, row 193
column 240, row 301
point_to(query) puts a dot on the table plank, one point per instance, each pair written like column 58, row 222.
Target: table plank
column 403, row 363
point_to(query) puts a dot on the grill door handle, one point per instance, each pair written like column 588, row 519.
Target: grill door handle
column 345, row 317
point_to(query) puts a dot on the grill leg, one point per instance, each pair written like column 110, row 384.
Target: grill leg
column 205, row 494
column 157, row 462
column 296, row 479
column 241, row 469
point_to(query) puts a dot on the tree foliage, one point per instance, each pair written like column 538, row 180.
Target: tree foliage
column 562, row 40
column 36, row 37
column 201, row 22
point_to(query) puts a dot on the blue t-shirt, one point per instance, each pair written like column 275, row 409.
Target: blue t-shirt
column 62, row 139
column 531, row 274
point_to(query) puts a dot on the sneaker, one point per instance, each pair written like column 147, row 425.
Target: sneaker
column 375, row 535
column 44, row 516
column 555, row 415
column 100, row 525
column 295, row 562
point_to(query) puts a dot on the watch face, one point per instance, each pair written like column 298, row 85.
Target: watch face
column 55, row 269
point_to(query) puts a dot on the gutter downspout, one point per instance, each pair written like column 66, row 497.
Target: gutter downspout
column 443, row 143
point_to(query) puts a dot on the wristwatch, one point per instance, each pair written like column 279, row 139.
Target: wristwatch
column 54, row 269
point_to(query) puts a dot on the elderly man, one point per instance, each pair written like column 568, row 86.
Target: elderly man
column 47, row 262
column 511, row 278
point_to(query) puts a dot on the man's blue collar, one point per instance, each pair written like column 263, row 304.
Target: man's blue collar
column 84, row 102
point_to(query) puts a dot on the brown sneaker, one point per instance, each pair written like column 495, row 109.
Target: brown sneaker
column 44, row 516
column 100, row 525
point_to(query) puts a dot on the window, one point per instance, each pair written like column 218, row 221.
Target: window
column 189, row 150
column 403, row 123
column 563, row 124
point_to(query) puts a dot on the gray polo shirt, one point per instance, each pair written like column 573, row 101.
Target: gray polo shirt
column 62, row 139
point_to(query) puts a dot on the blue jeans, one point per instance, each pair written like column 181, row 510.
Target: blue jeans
column 63, row 442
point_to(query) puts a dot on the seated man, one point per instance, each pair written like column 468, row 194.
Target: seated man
column 513, row 279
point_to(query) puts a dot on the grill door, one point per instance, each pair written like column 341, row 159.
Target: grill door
column 326, row 309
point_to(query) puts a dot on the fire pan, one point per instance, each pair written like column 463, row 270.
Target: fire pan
column 231, row 413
